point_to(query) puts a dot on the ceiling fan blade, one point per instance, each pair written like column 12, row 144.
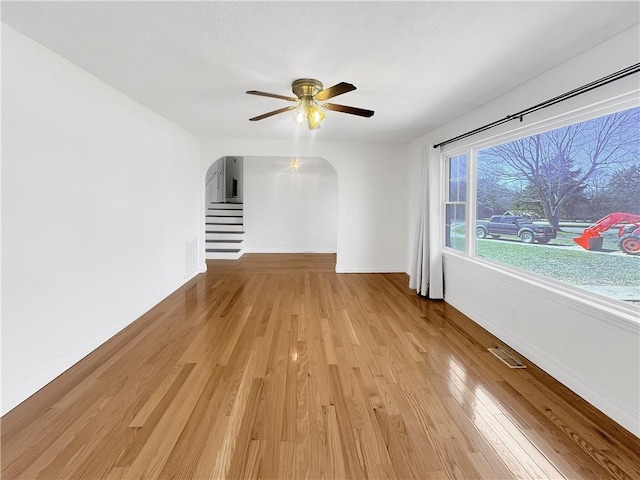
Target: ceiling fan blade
column 334, row 91
column 352, row 110
column 275, row 112
column 273, row 95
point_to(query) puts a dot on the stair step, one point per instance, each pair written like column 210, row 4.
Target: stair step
column 218, row 237
column 222, row 245
column 224, row 227
column 223, row 255
column 226, row 206
column 238, row 212
column 224, row 220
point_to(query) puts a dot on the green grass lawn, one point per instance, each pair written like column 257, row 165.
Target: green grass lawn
column 574, row 266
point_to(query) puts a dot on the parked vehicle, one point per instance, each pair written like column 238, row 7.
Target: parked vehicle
column 522, row 227
column 628, row 232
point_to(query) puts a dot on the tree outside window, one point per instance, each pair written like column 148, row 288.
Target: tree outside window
column 568, row 178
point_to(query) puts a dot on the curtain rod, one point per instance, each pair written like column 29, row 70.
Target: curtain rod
column 560, row 98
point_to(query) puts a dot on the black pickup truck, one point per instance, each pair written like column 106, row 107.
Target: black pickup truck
column 522, row 227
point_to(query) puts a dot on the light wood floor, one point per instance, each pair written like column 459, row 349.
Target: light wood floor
column 275, row 367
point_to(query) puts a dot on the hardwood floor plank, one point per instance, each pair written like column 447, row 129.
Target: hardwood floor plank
column 335, row 469
column 482, row 466
column 327, row 339
column 539, row 462
column 174, row 380
column 184, row 457
column 274, row 366
column 150, row 460
column 244, row 457
column 289, row 421
column 213, row 443
column 158, row 412
column 238, row 406
column 376, row 455
column 349, row 440
column 286, row 463
column 231, row 344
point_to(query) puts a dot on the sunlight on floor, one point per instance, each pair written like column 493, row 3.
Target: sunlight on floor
column 505, row 435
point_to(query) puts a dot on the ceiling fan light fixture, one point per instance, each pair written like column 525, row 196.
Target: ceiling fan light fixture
column 307, row 108
column 314, row 117
column 301, row 111
column 309, row 113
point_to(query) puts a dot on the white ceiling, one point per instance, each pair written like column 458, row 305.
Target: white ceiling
column 417, row 64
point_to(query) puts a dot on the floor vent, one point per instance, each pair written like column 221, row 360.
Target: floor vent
column 508, row 359
column 191, row 257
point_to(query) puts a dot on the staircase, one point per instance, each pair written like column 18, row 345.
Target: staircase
column 224, row 231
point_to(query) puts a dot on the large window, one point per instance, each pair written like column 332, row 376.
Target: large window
column 562, row 204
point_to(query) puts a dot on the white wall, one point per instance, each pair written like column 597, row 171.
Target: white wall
column 290, row 212
column 372, row 194
column 99, row 198
column 592, row 349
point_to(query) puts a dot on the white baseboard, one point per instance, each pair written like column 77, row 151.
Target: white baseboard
column 369, row 268
column 15, row 394
column 288, row 250
column 621, row 413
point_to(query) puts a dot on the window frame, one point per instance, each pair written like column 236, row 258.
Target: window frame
column 445, row 200
column 470, row 147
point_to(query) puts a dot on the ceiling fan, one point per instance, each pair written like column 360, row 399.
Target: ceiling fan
column 309, row 93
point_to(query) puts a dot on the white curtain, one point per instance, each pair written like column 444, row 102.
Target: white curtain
column 426, row 271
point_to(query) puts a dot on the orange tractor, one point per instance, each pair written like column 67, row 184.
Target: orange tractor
column 628, row 232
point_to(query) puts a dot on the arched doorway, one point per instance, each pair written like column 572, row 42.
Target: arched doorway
column 283, row 211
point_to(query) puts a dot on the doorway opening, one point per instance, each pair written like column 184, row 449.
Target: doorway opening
column 224, row 217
